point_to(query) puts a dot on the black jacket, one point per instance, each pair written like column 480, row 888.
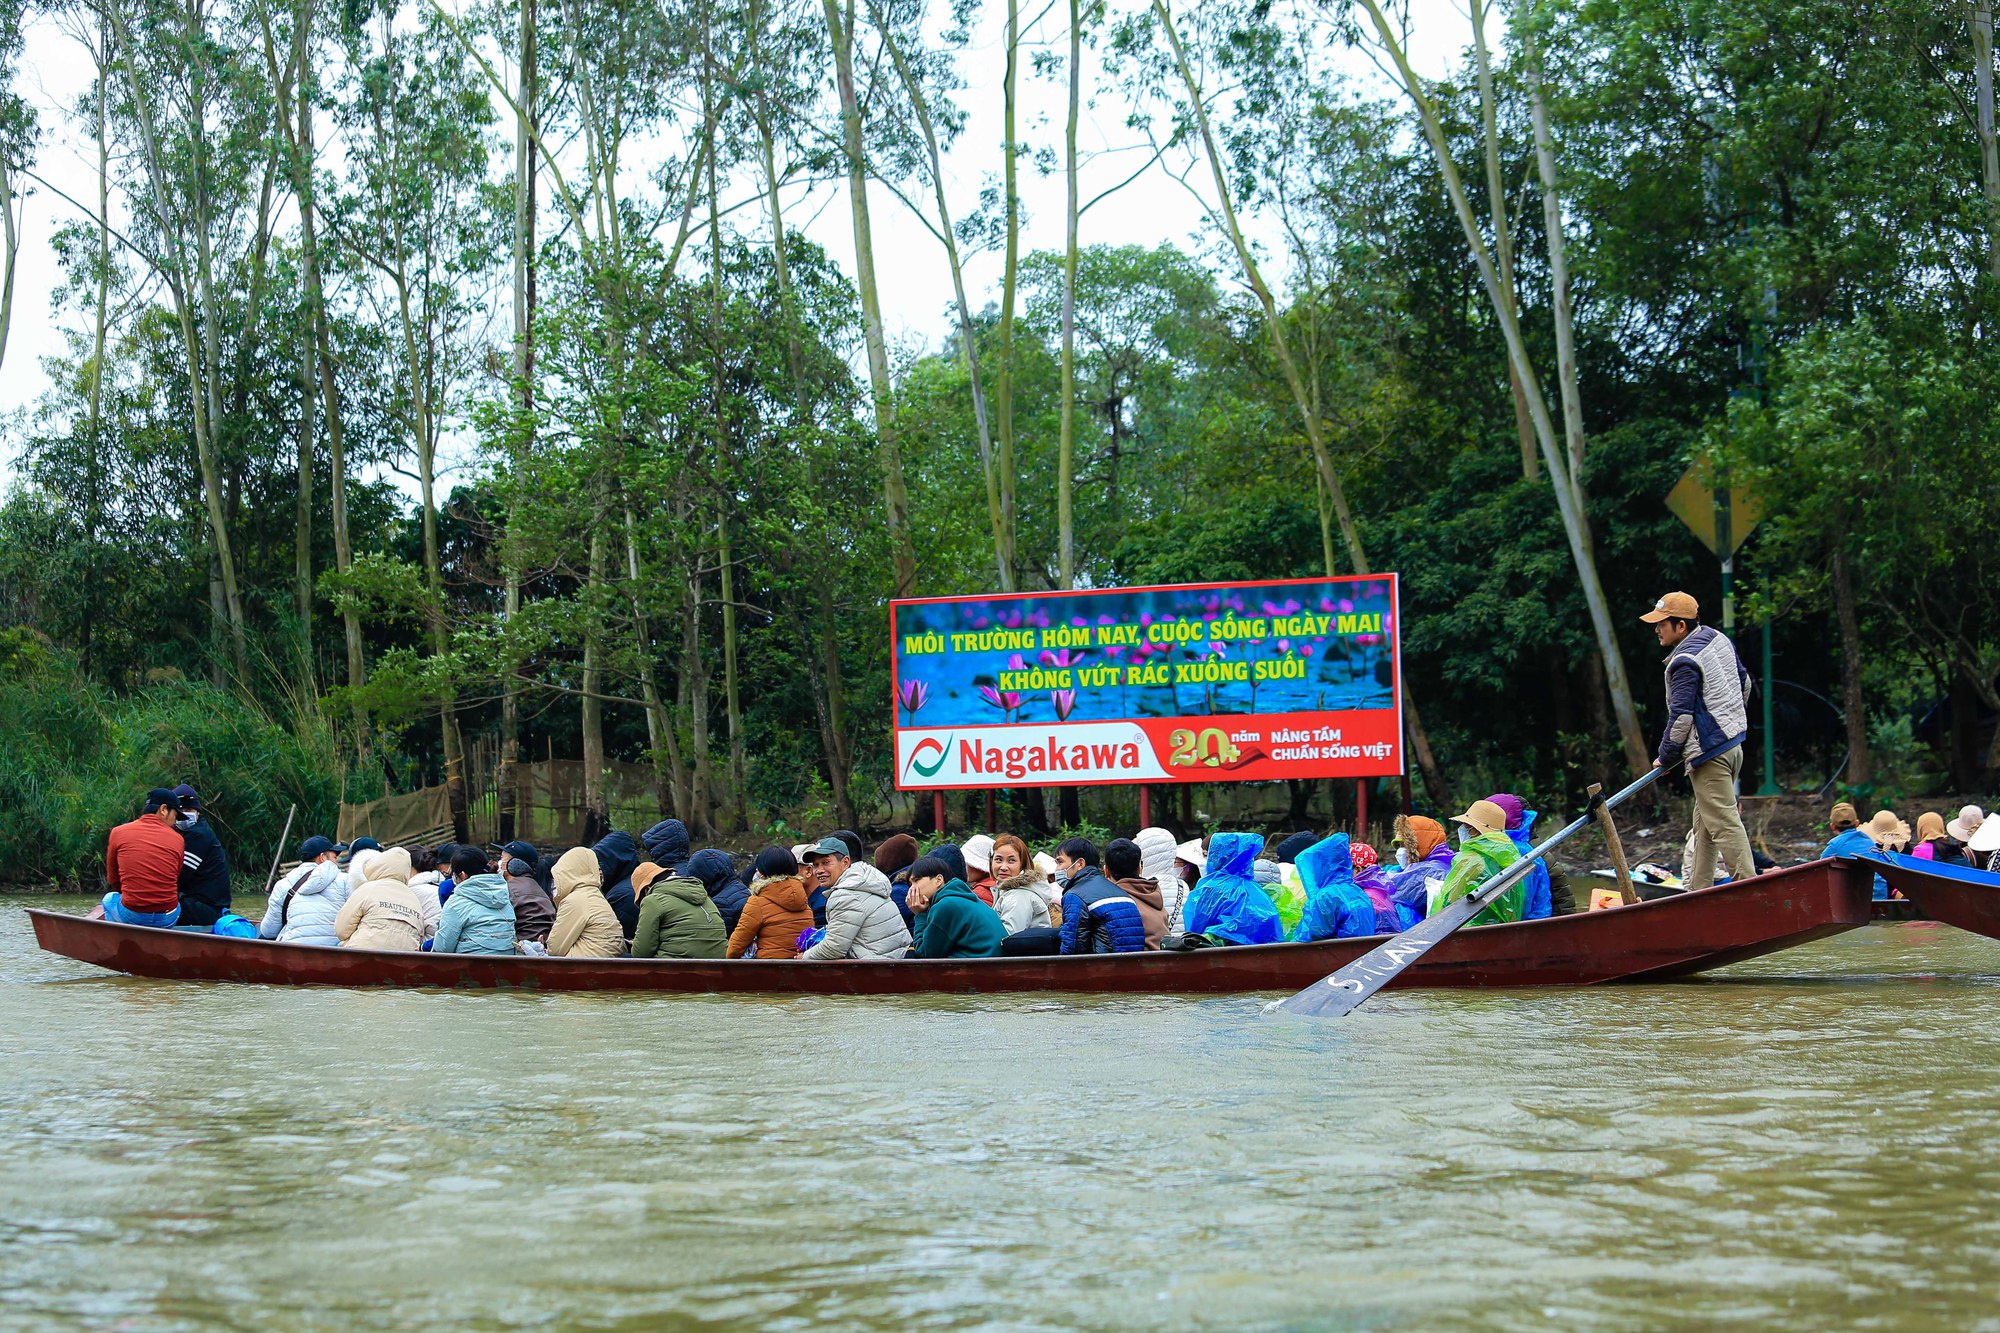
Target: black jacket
column 204, row 875
column 617, row 857
column 667, row 843
column 717, row 874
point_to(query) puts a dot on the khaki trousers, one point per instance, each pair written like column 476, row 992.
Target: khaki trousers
column 1718, row 825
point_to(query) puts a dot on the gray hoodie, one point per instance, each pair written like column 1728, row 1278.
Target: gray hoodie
column 861, row 918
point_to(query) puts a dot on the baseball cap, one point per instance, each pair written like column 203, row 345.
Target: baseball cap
column 521, row 850
column 159, row 797
column 189, row 798
column 1483, row 817
column 1674, row 606
column 1844, row 815
column 829, row 846
column 315, row 847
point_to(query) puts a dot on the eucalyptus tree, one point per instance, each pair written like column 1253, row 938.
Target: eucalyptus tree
column 17, row 155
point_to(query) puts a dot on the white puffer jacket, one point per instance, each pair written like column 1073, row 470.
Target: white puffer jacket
column 1156, row 862
column 861, row 918
column 316, row 893
column 1023, row 900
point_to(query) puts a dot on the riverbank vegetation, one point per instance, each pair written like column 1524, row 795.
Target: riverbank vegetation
column 1469, row 329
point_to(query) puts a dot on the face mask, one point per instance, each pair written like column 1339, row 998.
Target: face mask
column 1403, row 858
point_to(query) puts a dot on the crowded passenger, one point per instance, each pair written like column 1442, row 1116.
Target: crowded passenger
column 204, row 886
column 1370, row 879
column 777, row 911
column 617, row 857
column 677, row 916
column 1226, row 903
column 307, row 899
column 478, row 917
column 861, row 920
column 1098, row 916
column 534, row 910
column 1157, row 863
column 1022, row 894
column 979, row 877
column 1336, row 907
column 1123, row 866
column 426, row 882
column 1536, row 902
column 1423, row 853
column 952, row 921
column 1851, row 839
column 142, row 865
column 585, row 926
column 716, row 871
column 1484, row 850
column 383, row 913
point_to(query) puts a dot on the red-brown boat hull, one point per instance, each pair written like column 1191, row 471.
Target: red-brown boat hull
column 1967, row 898
column 1669, row 937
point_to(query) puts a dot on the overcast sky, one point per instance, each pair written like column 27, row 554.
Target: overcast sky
column 914, row 280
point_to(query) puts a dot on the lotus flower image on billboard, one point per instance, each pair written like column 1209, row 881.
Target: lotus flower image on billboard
column 1212, row 682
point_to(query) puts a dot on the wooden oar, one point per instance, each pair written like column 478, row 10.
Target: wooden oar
column 1346, row 989
column 1616, row 846
column 279, row 855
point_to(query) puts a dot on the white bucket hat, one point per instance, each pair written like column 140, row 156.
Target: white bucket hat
column 1968, row 822
column 978, row 853
column 1192, row 853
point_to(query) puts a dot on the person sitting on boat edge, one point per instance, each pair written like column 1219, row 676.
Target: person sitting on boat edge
column 479, row 915
column 777, row 912
column 142, row 865
column 1850, row 839
column 1423, row 851
column 951, row 920
column 1021, row 892
column 861, row 920
column 1484, row 850
column 1226, row 903
column 204, row 866
column 677, row 918
column 585, row 925
column 978, row 853
column 716, row 869
column 1370, row 879
column 383, row 913
column 1098, row 916
column 534, row 910
column 304, row 902
column 617, row 857
column 1123, row 862
column 1336, row 907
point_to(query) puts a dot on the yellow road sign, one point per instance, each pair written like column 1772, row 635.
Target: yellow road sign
column 1720, row 518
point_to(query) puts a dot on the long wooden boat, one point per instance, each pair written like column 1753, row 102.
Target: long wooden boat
column 1687, row 933
column 1957, row 895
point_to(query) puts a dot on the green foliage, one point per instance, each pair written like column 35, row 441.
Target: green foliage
column 79, row 760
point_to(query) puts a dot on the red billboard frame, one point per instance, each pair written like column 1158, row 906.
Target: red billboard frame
column 1365, row 766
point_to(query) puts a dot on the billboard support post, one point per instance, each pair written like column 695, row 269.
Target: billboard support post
column 1361, row 808
column 1145, row 806
column 937, row 813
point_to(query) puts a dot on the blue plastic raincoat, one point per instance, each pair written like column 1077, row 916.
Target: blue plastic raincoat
column 1336, row 907
column 1226, row 902
column 1537, row 901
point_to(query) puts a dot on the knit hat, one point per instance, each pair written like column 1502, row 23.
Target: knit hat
column 950, row 854
column 1930, row 824
column 897, row 853
column 1362, row 856
column 1287, row 852
column 1844, row 815
column 1483, row 817
column 978, row 850
column 776, row 863
column 1969, row 819
column 1515, row 807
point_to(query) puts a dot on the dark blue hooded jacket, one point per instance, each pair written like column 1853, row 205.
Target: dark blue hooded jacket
column 667, row 843
column 617, row 857
column 717, row 872
column 1098, row 917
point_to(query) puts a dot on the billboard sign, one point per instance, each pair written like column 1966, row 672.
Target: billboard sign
column 1207, row 682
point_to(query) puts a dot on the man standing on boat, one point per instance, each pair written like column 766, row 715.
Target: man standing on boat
column 1708, row 719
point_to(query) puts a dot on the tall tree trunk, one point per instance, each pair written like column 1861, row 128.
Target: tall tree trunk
column 700, row 816
column 93, row 501
column 1989, row 153
column 1575, row 520
column 1503, row 231
column 1066, row 447
column 302, row 570
column 1433, row 776
column 1010, row 273
column 657, row 726
column 526, row 106
column 838, row 759
column 946, row 232
column 1545, row 161
column 895, row 495
column 596, row 799
column 1859, row 768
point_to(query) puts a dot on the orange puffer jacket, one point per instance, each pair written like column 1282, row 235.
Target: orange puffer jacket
column 772, row 920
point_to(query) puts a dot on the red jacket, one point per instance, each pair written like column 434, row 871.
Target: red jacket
column 142, row 861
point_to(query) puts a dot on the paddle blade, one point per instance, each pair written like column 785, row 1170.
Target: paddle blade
column 1346, row 989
